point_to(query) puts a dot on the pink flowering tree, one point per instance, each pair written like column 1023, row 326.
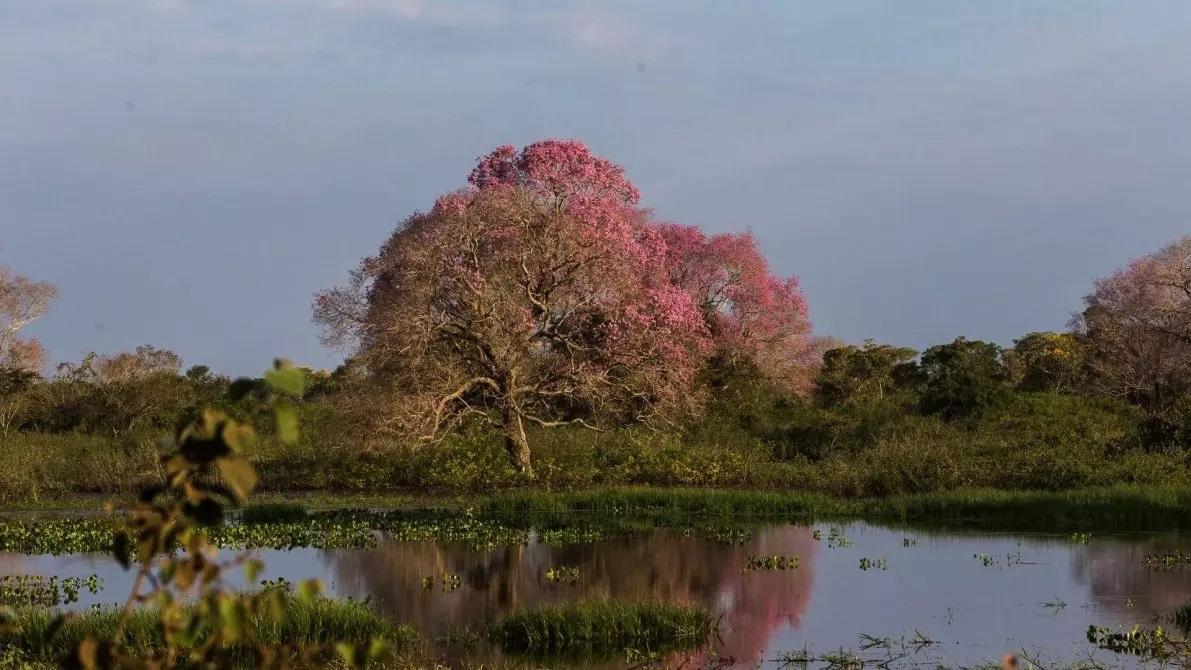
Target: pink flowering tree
column 1137, row 328
column 22, row 301
column 540, row 294
column 753, row 316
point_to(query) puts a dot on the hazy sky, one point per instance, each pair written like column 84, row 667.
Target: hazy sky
column 189, row 173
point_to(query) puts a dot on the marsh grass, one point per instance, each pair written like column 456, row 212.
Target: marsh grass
column 321, row 620
column 603, row 627
column 1121, row 507
column 278, row 512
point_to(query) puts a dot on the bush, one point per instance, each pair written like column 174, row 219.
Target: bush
column 38, row 465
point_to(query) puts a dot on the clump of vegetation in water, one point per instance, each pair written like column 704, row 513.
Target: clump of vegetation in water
column 39, row 591
column 448, row 582
column 1167, row 560
column 1137, row 641
column 724, row 534
column 57, row 536
column 603, row 626
column 771, row 563
column 837, row 539
column 563, row 575
column 1081, row 538
column 466, row 528
column 318, row 533
column 564, row 536
column 873, row 564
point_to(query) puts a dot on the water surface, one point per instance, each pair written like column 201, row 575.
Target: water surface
column 974, row 596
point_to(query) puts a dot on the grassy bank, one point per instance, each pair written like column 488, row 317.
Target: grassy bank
column 1122, row 507
column 583, row 516
column 1035, row 442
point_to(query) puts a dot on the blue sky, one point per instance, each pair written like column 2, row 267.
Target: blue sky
column 189, row 173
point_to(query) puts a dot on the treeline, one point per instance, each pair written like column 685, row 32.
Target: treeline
column 539, row 328
column 879, row 420
column 131, row 396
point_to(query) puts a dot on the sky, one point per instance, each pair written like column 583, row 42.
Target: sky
column 189, row 173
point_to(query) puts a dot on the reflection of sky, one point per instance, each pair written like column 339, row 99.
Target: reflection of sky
column 938, row 587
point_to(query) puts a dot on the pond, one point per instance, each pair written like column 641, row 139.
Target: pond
column 917, row 598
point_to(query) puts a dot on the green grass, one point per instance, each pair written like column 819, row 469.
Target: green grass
column 272, row 512
column 580, row 516
column 322, row 620
column 1040, row 441
column 1121, row 507
column 602, row 626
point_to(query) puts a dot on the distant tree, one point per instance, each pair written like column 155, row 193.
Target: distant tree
column 1048, row 361
column 851, row 373
column 537, row 295
column 754, row 317
column 116, row 394
column 14, row 395
column 22, row 301
column 1137, row 327
column 962, row 378
column 207, row 388
column 145, row 361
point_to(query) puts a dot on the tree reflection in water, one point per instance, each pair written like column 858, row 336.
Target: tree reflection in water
column 1119, row 581
column 662, row 566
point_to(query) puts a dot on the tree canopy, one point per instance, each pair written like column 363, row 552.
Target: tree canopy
column 543, row 293
column 1137, row 325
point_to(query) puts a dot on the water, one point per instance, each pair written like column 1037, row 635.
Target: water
column 937, row 588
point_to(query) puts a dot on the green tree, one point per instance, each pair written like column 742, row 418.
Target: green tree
column 852, row 373
column 14, row 396
column 1048, row 361
column 962, row 378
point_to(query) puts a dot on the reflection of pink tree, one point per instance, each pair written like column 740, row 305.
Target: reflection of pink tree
column 664, row 566
column 1116, row 574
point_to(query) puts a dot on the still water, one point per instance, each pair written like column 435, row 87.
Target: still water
column 973, row 596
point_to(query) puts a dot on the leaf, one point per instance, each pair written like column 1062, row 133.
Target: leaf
column 56, row 624
column 207, row 512
column 239, row 475
column 121, row 550
column 309, row 589
column 88, row 654
column 203, row 449
column 241, row 388
column 284, row 378
column 287, row 423
column 347, row 652
column 378, row 648
column 233, row 616
column 252, row 570
column 238, row 436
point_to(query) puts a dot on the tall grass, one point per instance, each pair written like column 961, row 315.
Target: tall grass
column 321, row 620
column 603, row 626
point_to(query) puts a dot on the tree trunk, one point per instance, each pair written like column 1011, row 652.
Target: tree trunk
column 515, row 441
